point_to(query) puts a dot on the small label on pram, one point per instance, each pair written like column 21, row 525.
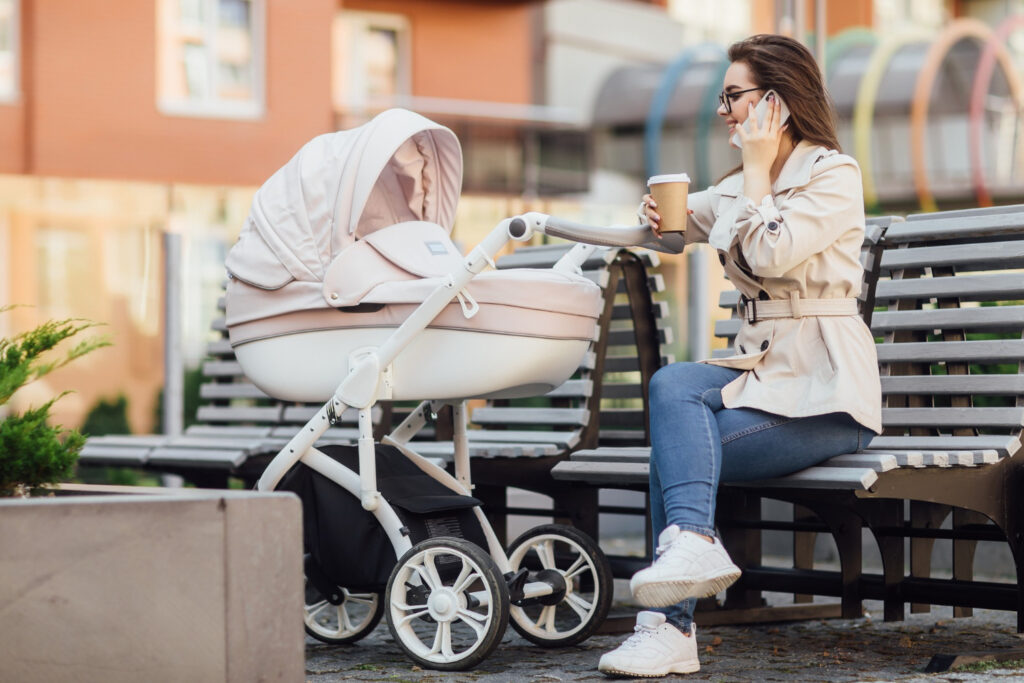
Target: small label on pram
column 436, row 248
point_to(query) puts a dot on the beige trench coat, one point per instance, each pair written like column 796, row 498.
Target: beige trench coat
column 806, row 237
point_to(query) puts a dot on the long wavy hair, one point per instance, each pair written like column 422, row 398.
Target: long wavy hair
column 786, row 66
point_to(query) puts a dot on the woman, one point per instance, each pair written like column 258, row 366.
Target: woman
column 803, row 386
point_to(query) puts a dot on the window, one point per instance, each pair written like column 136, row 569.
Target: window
column 9, row 33
column 211, row 58
column 371, row 60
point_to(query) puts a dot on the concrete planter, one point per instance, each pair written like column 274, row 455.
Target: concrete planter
column 167, row 586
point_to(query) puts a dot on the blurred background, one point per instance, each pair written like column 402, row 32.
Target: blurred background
column 125, row 121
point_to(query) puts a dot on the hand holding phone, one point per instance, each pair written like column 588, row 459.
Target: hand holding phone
column 761, row 113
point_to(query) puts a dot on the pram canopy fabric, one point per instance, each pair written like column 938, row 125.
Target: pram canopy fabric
column 341, row 187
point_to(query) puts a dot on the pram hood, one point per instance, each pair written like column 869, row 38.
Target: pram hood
column 341, row 187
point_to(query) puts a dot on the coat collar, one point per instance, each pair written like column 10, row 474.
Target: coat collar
column 796, row 172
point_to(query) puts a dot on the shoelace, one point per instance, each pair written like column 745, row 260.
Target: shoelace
column 640, row 634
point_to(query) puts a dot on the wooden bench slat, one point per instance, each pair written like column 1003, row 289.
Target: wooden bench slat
column 624, row 312
column 954, row 384
column 239, row 413
column 229, row 431
column 993, row 254
column 879, row 462
column 987, row 351
column 630, row 363
column 214, row 459
column 965, row 287
column 531, row 416
column 988, row 318
column 213, row 391
column 573, row 388
column 113, row 454
column 617, row 473
column 222, row 368
column 959, row 228
column 1001, row 444
column 446, row 449
column 948, row 418
column 839, row 478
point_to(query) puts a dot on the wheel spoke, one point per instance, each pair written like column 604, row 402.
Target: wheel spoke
column 434, row 579
column 411, row 615
column 576, row 567
column 362, row 598
column 546, row 619
column 546, row 552
column 474, row 620
column 313, row 610
column 466, row 577
column 580, row 606
column 446, row 639
column 343, row 617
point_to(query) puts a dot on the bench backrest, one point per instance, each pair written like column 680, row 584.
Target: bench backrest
column 950, row 324
column 604, row 400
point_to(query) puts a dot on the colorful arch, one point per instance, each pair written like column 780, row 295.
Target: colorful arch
column 864, row 109
column 663, row 95
column 954, row 32
column 706, row 114
column 842, row 42
column 982, row 82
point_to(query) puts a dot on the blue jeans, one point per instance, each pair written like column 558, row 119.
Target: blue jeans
column 696, row 443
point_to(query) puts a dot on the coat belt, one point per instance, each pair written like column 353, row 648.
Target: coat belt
column 754, row 310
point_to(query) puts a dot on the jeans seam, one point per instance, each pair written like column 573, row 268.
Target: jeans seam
column 753, row 429
column 711, row 448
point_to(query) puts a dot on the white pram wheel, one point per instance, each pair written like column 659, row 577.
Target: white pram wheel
column 563, row 554
column 447, row 604
column 351, row 619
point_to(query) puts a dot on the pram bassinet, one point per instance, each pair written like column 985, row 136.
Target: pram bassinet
column 349, row 237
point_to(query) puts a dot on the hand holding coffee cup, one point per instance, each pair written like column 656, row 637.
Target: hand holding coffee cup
column 668, row 195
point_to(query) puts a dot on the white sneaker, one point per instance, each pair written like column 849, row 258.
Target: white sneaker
column 656, row 648
column 687, row 566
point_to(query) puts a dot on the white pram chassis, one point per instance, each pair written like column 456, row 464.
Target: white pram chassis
column 346, row 288
column 478, row 598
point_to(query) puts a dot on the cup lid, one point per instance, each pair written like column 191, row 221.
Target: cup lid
column 668, row 178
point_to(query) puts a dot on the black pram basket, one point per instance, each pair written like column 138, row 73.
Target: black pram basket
column 345, row 543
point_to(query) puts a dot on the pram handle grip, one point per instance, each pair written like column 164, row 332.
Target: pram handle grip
column 601, row 235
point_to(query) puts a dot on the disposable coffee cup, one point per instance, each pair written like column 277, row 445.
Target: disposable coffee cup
column 669, row 192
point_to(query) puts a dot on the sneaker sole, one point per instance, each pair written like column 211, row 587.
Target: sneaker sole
column 666, row 593
column 683, row 669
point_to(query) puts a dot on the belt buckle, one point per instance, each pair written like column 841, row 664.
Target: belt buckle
column 749, row 309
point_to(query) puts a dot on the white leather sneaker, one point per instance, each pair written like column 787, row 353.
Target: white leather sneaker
column 656, row 648
column 687, row 566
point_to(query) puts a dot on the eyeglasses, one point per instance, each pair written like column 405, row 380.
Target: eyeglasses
column 727, row 98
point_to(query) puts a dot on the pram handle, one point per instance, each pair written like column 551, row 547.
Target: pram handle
column 522, row 228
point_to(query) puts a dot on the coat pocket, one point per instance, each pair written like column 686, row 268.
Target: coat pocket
column 751, row 345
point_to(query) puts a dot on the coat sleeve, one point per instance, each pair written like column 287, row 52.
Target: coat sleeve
column 774, row 238
column 699, row 223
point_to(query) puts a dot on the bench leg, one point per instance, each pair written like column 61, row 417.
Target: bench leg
column 963, row 553
column 744, row 545
column 924, row 516
column 846, row 527
column 803, row 547
column 581, row 505
column 889, row 514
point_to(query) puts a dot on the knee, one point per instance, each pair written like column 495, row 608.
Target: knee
column 669, row 382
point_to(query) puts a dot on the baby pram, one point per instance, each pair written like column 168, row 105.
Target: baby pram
column 345, row 288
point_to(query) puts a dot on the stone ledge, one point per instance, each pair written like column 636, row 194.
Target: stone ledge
column 203, row 585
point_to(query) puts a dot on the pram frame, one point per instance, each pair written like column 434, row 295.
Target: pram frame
column 368, row 381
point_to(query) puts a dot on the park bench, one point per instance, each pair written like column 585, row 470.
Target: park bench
column 953, row 414
column 239, row 428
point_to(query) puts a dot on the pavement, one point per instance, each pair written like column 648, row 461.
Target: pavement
column 864, row 649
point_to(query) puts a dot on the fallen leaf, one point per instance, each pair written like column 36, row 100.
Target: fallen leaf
column 716, row 641
column 709, row 649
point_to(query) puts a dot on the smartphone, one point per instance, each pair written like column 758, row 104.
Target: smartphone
column 761, row 112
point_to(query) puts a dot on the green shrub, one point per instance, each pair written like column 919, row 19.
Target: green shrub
column 32, row 453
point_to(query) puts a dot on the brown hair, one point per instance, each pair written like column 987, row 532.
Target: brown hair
column 786, row 66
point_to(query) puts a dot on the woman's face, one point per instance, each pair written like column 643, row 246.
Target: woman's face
column 738, row 78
